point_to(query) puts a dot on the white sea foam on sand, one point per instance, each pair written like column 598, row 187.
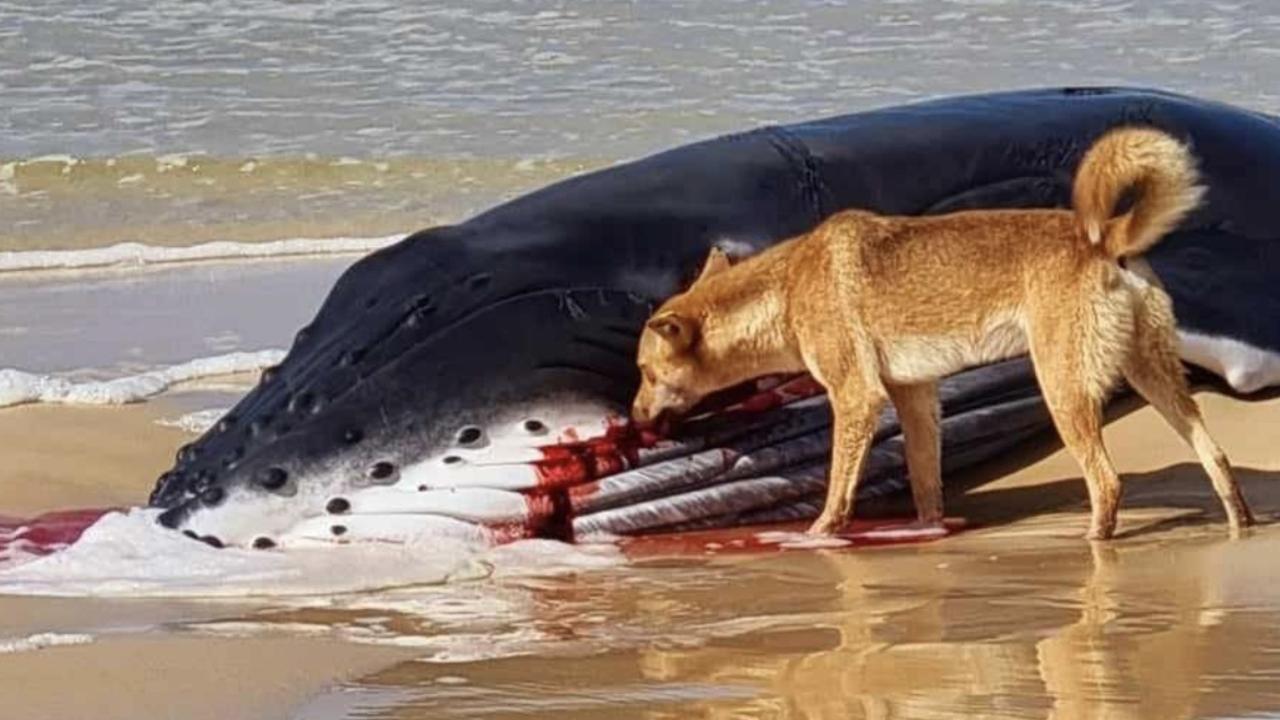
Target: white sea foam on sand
column 18, row 387
column 42, row 640
column 130, row 555
column 195, row 422
column 139, row 254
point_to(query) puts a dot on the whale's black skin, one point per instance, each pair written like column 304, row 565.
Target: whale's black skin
column 539, row 301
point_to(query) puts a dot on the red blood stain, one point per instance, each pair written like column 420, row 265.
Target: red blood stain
column 577, row 493
column 575, row 461
column 46, row 533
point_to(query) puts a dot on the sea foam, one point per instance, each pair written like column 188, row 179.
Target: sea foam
column 128, row 554
column 195, row 422
column 137, row 254
column 39, row 641
column 18, row 387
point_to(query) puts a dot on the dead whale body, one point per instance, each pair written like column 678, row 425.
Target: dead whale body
column 470, row 379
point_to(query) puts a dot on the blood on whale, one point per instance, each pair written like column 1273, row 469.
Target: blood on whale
column 569, row 470
column 573, row 462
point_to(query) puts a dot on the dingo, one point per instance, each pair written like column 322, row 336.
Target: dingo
column 879, row 308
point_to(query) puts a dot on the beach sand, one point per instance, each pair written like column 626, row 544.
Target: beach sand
column 58, row 457
column 1018, row 618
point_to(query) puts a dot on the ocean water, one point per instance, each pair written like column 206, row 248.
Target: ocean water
column 171, row 123
column 547, row 78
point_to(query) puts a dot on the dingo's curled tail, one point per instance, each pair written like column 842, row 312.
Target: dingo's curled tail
column 1160, row 171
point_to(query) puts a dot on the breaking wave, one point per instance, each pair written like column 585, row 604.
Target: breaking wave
column 138, row 254
column 18, row 387
column 72, row 203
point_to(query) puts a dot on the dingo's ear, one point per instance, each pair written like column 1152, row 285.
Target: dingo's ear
column 716, row 261
column 676, row 329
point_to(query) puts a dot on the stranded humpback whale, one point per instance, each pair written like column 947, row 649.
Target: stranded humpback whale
column 470, row 379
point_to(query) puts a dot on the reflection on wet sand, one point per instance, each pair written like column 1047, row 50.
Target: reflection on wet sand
column 1020, row 618
column 1161, row 636
column 986, row 629
column 1076, row 632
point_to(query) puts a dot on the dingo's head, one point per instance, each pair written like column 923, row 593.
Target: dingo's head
column 677, row 368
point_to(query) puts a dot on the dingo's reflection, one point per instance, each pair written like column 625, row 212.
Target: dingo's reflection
column 1129, row 631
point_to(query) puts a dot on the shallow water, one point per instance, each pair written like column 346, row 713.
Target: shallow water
column 978, row 629
column 171, row 122
column 1174, row 624
column 60, row 322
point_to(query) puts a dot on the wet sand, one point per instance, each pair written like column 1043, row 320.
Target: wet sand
column 142, row 676
column 1016, row 618
column 67, row 457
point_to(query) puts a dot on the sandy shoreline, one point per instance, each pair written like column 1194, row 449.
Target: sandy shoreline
column 64, row 457
column 1031, row 508
column 77, row 456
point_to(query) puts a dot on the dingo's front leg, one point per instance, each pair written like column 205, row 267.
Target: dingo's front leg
column 856, row 410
